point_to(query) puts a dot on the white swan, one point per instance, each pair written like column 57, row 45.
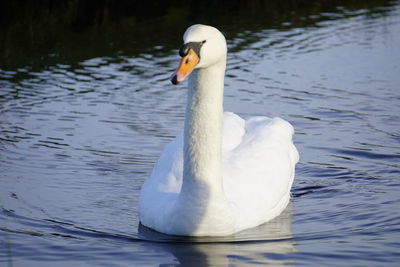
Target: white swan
column 223, row 174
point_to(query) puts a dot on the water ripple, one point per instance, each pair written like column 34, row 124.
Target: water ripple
column 78, row 140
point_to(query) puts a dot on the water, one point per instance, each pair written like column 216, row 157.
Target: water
column 81, row 130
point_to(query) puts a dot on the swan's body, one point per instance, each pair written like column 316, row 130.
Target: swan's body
column 223, row 174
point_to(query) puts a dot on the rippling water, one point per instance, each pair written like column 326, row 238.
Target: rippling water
column 77, row 141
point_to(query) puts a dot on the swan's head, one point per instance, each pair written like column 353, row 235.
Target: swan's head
column 203, row 46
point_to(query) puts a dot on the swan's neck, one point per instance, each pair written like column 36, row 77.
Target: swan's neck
column 203, row 131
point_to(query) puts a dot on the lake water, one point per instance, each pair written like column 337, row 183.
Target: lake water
column 80, row 132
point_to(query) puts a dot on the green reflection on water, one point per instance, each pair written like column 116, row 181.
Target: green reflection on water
column 43, row 33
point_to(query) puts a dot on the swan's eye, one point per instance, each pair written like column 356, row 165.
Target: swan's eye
column 204, row 42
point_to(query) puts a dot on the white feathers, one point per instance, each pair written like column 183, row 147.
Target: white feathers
column 223, row 174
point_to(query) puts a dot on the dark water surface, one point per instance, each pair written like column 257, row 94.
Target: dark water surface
column 84, row 114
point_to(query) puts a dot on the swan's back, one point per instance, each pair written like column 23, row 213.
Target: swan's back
column 258, row 170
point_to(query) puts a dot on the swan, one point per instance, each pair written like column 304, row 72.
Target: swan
column 223, row 174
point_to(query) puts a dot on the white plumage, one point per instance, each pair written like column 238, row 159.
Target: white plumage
column 223, row 174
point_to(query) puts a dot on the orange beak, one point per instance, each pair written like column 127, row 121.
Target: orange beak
column 186, row 66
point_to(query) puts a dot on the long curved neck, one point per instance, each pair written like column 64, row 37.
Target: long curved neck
column 203, row 130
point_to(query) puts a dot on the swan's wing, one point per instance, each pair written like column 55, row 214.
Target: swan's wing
column 167, row 173
column 259, row 170
column 161, row 189
column 233, row 129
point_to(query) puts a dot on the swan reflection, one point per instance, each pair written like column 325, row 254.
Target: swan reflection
column 256, row 245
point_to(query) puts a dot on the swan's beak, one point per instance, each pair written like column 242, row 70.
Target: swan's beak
column 186, row 66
